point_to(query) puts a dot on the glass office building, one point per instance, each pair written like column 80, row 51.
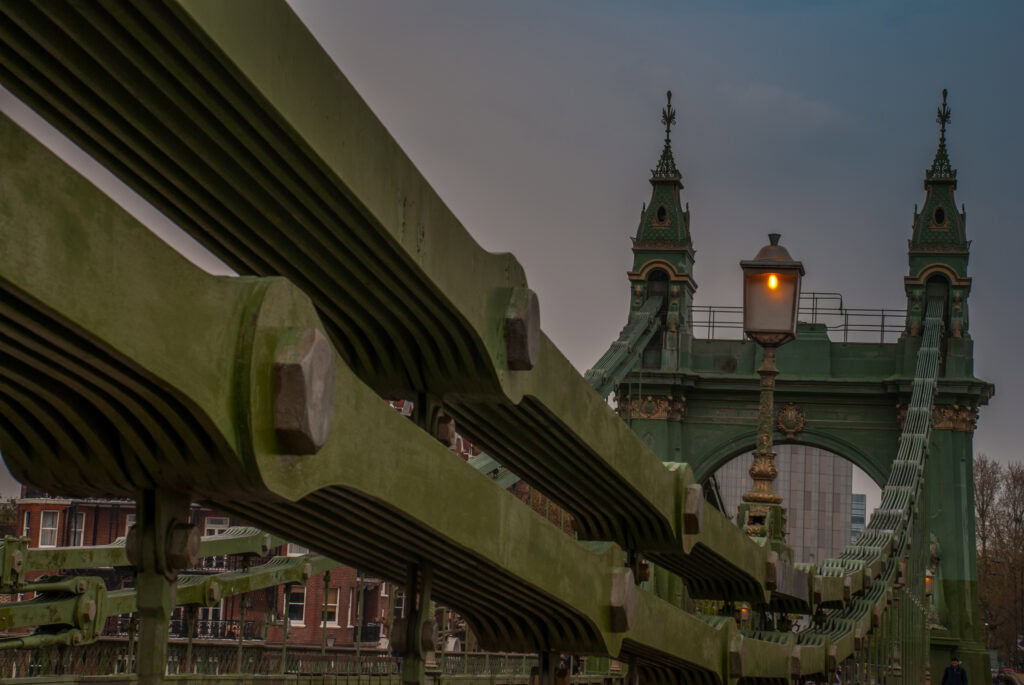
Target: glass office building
column 817, row 489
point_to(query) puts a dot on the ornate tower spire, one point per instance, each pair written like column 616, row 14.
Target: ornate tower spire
column 941, row 169
column 666, row 169
column 939, row 249
column 664, row 221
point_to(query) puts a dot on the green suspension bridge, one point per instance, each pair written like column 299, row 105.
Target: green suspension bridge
column 129, row 372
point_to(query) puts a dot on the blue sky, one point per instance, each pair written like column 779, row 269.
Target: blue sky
column 538, row 123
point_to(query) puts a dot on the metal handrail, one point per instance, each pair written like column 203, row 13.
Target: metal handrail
column 824, row 308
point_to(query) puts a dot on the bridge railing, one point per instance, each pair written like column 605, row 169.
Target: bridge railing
column 118, row 657
column 845, row 324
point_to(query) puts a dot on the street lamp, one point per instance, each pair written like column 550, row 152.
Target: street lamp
column 771, row 297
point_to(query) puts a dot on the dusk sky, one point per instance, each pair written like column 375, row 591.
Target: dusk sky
column 538, row 124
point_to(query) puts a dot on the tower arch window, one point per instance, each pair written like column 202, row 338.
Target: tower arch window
column 657, row 282
column 661, row 215
column 939, row 217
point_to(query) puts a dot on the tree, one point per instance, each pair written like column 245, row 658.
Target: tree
column 999, row 514
column 988, row 475
column 1011, row 533
column 8, row 519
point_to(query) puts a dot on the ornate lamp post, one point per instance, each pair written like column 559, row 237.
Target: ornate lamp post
column 771, row 296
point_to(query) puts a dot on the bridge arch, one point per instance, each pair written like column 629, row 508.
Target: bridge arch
column 744, row 442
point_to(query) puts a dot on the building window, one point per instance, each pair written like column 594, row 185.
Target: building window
column 48, row 528
column 210, row 624
column 27, row 524
column 129, row 521
column 297, row 606
column 331, row 615
column 399, row 604
column 296, row 550
column 78, row 530
column 215, row 525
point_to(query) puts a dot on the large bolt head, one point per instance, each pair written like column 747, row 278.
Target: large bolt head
column 182, row 546
column 522, row 330
column 304, row 392
column 446, row 431
column 87, row 612
column 131, row 547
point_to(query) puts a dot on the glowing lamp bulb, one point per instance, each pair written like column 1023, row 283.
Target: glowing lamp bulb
column 773, row 281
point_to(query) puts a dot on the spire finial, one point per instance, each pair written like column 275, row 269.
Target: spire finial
column 668, row 116
column 666, row 168
column 943, row 115
column 941, row 167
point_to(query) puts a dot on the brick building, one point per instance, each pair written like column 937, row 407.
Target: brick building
column 50, row 522
column 358, row 606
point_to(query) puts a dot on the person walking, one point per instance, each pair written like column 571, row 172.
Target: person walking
column 954, row 675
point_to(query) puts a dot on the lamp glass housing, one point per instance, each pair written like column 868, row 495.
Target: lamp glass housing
column 770, row 311
column 771, row 294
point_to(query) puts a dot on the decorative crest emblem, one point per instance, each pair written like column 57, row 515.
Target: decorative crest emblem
column 791, row 420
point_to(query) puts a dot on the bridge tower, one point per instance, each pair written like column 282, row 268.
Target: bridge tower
column 659, row 329
column 695, row 401
column 662, row 276
column 938, row 253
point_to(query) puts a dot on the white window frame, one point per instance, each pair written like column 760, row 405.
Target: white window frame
column 294, row 550
column 26, row 524
column 215, row 525
column 399, row 606
column 335, row 603
column 78, row 530
column 383, row 589
column 351, row 604
column 129, row 521
column 55, row 528
column 299, row 623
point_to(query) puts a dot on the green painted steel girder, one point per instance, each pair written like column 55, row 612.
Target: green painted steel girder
column 17, row 558
column 519, row 580
column 166, row 376
column 374, row 458
column 181, row 101
column 74, row 609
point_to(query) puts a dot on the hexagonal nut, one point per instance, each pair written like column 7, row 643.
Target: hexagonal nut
column 446, row 433
column 213, row 593
column 182, row 546
column 303, row 391
column 87, row 611
column 522, row 330
column 131, row 547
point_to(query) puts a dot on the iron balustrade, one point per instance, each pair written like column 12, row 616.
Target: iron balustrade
column 120, row 626
column 116, row 656
column 865, row 324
